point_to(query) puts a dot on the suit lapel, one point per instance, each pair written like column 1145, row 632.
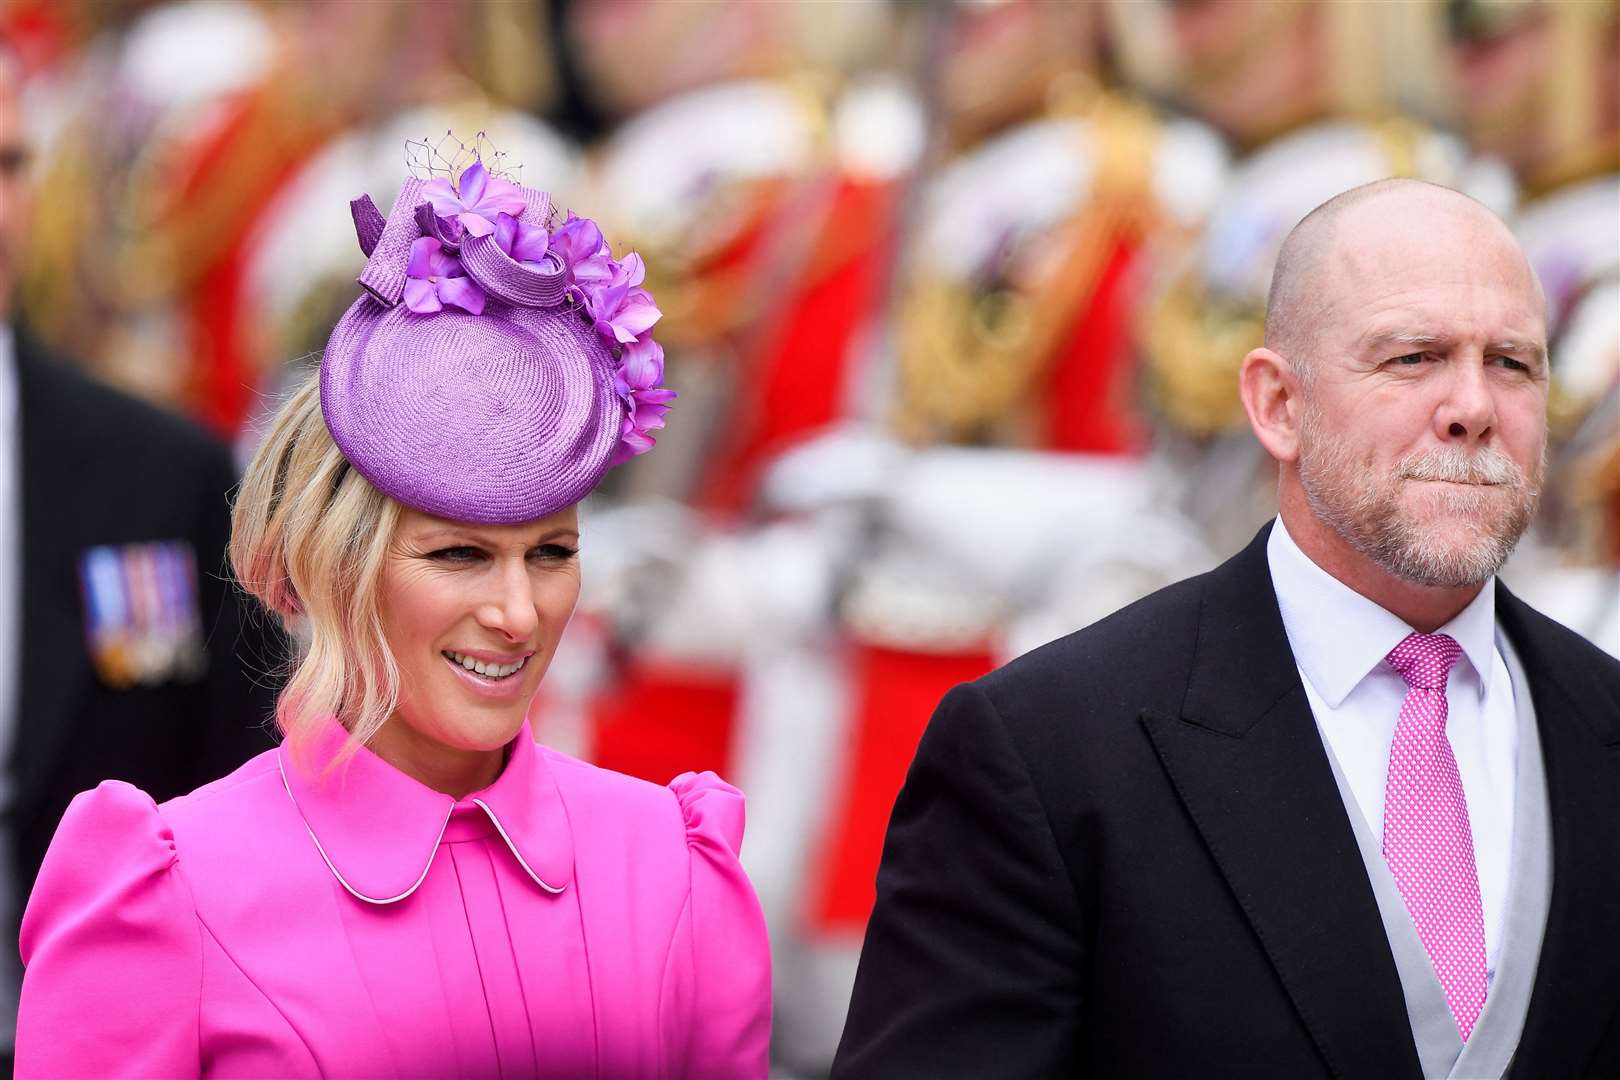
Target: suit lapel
column 1247, row 760
column 1577, row 989
column 55, row 668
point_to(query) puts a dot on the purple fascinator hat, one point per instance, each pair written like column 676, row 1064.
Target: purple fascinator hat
column 498, row 363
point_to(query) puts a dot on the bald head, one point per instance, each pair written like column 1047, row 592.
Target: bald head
column 1385, row 213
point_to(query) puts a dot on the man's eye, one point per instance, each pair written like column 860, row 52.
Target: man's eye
column 1511, row 364
column 1409, row 359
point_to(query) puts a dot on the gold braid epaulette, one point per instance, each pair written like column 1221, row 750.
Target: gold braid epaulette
column 1193, row 348
column 970, row 361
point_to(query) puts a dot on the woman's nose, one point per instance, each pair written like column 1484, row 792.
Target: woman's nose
column 509, row 605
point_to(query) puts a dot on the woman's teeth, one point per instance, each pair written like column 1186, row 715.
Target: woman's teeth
column 489, row 671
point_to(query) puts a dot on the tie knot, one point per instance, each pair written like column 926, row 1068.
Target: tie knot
column 1425, row 660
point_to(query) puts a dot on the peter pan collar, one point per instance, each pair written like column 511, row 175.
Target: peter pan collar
column 378, row 829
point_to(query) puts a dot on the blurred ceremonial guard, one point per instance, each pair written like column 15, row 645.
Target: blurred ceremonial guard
column 731, row 159
column 1018, row 279
column 769, row 231
column 775, row 224
column 1017, row 265
column 124, row 650
column 142, row 253
column 1014, row 325
column 1535, row 84
column 140, row 245
column 1569, row 563
column 1261, row 71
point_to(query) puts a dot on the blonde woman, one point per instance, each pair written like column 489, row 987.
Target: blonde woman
column 410, row 885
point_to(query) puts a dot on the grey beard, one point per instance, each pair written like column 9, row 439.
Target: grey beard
column 1365, row 509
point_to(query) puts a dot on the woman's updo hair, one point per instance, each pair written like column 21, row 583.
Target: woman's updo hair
column 309, row 536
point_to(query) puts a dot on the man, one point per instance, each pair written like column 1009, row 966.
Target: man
column 1343, row 806
column 123, row 652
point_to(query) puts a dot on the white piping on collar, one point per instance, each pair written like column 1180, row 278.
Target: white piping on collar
column 357, row 894
column 552, row 889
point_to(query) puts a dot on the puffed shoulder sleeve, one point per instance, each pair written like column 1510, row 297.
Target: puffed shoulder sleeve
column 111, row 946
column 719, row 972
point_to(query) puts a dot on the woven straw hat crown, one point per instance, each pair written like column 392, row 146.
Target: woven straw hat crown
column 498, row 417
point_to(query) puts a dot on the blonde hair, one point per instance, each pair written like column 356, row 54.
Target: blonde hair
column 309, row 536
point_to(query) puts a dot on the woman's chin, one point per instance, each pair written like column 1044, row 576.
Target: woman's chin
column 486, row 730
column 465, row 723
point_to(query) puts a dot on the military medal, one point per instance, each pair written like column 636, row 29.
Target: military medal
column 142, row 622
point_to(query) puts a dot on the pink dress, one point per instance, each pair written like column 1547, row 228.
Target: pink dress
column 566, row 921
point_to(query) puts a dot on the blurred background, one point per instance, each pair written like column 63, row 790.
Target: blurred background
column 954, row 296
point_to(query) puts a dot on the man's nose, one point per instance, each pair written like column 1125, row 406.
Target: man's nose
column 508, row 606
column 1467, row 413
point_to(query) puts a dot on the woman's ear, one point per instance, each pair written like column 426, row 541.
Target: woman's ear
column 1270, row 389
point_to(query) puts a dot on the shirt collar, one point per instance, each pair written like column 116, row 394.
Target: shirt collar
column 1338, row 635
column 378, row 829
column 8, row 376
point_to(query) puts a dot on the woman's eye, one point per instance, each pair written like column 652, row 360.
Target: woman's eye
column 456, row 554
column 555, row 551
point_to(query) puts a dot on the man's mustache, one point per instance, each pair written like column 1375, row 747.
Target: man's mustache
column 1487, row 465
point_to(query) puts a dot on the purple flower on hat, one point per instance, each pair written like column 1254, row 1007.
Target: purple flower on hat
column 477, row 200
column 623, row 310
column 434, row 279
column 641, row 369
column 642, row 365
column 525, row 243
column 584, row 252
column 644, row 412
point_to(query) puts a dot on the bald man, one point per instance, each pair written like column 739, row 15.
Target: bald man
column 1342, row 807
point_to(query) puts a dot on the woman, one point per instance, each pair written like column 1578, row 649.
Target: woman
column 409, row 885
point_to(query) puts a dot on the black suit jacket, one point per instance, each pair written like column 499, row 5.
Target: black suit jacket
column 1125, row 855
column 99, row 467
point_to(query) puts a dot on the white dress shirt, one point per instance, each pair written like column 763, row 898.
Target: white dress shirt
column 10, row 548
column 1339, row 639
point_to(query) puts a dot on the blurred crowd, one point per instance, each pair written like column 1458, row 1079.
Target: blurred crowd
column 954, row 297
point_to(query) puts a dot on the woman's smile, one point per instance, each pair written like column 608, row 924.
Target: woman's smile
column 492, row 677
column 490, row 667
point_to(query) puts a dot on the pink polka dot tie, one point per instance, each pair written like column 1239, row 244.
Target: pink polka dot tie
column 1427, row 841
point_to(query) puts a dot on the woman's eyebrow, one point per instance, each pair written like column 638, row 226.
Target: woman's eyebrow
column 463, row 536
column 434, row 536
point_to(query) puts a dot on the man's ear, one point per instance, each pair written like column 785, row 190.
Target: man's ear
column 1270, row 390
